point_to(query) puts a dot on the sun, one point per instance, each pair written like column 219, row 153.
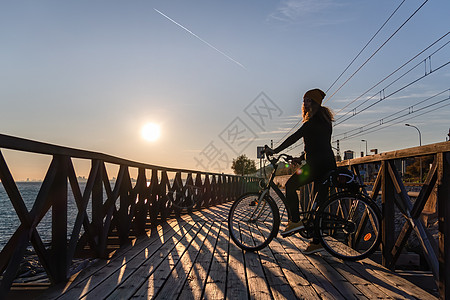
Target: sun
column 151, row 132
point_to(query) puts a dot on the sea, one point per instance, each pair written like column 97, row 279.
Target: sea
column 9, row 221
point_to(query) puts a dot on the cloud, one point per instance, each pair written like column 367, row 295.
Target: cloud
column 296, row 10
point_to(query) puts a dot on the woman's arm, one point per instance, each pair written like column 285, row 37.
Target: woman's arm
column 291, row 139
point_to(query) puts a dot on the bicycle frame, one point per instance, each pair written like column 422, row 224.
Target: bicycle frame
column 271, row 185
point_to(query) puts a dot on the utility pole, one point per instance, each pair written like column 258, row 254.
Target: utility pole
column 338, row 150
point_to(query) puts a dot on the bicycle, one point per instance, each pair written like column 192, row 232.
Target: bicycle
column 348, row 223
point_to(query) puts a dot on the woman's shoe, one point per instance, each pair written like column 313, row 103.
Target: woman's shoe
column 292, row 227
column 313, row 248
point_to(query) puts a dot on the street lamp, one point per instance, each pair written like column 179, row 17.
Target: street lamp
column 420, row 144
column 366, row 145
column 420, row 135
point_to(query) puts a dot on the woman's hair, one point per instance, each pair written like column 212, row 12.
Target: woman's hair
column 326, row 113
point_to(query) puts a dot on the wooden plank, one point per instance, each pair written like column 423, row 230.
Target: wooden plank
column 278, row 284
column 89, row 279
column 202, row 263
column 257, row 285
column 287, row 279
column 367, row 288
column 371, row 282
column 398, row 286
column 196, row 281
column 236, row 278
column 174, row 283
column 215, row 287
column 126, row 279
column 324, row 288
column 155, row 279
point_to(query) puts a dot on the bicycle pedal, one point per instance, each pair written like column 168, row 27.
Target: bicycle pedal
column 289, row 233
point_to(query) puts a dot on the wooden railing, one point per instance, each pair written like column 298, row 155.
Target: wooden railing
column 119, row 208
column 394, row 196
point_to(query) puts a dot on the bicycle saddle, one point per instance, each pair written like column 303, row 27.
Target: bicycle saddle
column 343, row 178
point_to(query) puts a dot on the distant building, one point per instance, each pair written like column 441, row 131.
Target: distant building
column 349, row 154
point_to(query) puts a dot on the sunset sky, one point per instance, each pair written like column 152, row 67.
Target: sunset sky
column 219, row 78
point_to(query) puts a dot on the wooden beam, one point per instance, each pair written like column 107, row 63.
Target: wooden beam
column 388, row 213
column 399, row 154
column 443, row 198
column 58, row 197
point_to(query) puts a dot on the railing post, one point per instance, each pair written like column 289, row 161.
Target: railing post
column 155, row 205
column 97, row 208
column 443, row 198
column 59, row 220
column 208, row 193
column 388, row 211
column 140, row 212
column 125, row 199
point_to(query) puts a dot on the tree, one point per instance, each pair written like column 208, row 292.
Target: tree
column 413, row 168
column 243, row 165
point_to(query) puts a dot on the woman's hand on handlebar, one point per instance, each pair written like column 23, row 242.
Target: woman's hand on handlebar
column 269, row 151
column 299, row 160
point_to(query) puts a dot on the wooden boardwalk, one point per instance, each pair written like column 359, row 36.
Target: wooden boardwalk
column 193, row 258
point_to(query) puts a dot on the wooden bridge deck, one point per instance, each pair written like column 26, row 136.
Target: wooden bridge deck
column 193, row 258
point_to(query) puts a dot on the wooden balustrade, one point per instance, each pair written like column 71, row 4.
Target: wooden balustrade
column 118, row 209
column 394, row 196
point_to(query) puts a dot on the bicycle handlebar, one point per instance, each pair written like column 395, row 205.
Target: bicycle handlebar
column 274, row 159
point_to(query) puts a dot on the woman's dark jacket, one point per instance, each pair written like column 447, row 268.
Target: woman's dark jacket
column 316, row 134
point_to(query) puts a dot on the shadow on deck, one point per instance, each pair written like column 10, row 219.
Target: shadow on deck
column 193, row 258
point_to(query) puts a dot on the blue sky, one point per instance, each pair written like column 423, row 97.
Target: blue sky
column 90, row 74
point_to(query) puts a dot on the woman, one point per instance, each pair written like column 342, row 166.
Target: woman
column 316, row 133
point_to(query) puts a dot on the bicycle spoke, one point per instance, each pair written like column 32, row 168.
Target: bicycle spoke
column 350, row 226
column 253, row 221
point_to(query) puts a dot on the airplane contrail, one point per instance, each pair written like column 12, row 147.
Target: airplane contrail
column 224, row 54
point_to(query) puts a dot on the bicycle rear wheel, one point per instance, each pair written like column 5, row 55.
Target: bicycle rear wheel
column 349, row 226
column 253, row 221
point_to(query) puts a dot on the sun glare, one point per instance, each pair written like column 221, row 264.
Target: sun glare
column 151, row 132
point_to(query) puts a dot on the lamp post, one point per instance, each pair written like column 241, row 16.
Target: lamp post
column 366, row 146
column 420, row 144
column 420, row 135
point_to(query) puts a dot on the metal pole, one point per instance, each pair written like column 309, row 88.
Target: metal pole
column 420, row 144
column 420, row 135
column 366, row 146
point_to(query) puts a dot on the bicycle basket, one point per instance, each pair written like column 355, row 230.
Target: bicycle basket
column 344, row 178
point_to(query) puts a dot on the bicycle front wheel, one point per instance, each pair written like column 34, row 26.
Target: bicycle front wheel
column 253, row 221
column 349, row 226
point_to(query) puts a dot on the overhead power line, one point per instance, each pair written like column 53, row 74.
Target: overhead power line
column 410, row 110
column 382, row 92
column 367, row 44
column 398, row 29
column 391, row 74
column 285, row 135
column 387, row 121
column 389, row 125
